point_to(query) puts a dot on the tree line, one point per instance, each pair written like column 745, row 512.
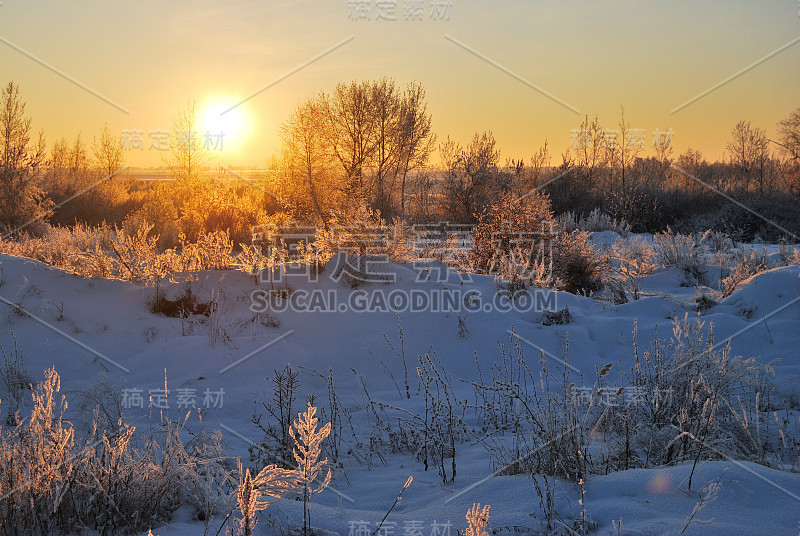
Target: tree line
column 365, row 150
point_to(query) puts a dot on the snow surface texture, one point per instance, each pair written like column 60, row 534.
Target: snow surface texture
column 93, row 329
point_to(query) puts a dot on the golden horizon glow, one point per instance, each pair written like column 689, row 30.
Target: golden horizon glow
column 150, row 57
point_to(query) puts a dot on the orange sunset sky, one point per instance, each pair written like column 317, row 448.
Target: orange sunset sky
column 526, row 69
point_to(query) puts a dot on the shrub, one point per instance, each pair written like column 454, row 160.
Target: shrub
column 744, row 263
column 577, row 266
column 675, row 249
column 477, row 520
column 51, row 482
column 595, row 221
column 683, row 399
column 512, row 223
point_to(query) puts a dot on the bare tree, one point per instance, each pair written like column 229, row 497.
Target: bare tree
column 471, row 177
column 749, row 153
column 309, row 165
column 187, row 155
column 386, row 110
column 350, row 130
column 662, row 146
column 59, row 156
column 21, row 163
column 789, row 135
column 108, row 153
column 78, row 165
column 416, row 139
column 789, row 132
column 629, row 147
column 588, row 146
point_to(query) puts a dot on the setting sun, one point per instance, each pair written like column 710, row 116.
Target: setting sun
column 217, row 117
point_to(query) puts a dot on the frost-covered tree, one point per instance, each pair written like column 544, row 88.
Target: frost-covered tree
column 108, row 153
column 21, row 161
column 416, row 140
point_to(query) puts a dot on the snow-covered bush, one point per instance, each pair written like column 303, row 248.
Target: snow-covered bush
column 518, row 240
column 632, row 258
column 595, row 221
column 676, row 249
column 742, row 263
column 14, row 373
column 53, row 482
column 477, row 520
column 682, row 399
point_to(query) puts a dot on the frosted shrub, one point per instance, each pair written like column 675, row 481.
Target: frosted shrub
column 577, row 266
column 686, row 399
column 717, row 241
column 136, row 254
column 634, row 258
column 517, row 237
column 744, row 263
column 37, row 466
column 51, row 482
column 211, row 477
column 690, row 400
column 675, row 249
column 477, row 520
column 307, row 450
column 81, row 249
column 254, row 492
column 212, row 251
column 596, row 221
column 549, row 430
column 635, row 255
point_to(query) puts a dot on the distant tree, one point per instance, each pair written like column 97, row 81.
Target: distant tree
column 789, row 131
column 471, row 177
column 108, row 153
column 692, row 163
column 21, row 164
column 78, row 165
column 629, row 147
column 662, row 147
column 59, row 156
column 749, row 153
column 540, row 161
column 187, row 156
column 416, row 139
column 789, row 135
column 588, row 145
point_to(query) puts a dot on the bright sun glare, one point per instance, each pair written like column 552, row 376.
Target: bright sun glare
column 217, row 117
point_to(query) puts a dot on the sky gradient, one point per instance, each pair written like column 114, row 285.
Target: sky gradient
column 487, row 66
